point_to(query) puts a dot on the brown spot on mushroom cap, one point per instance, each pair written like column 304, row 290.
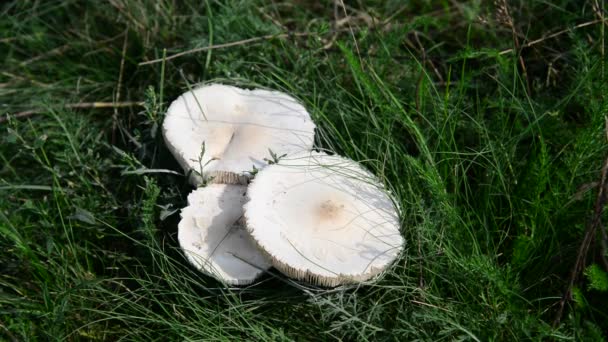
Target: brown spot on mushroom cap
column 329, row 210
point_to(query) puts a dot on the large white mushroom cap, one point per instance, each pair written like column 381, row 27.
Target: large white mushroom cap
column 238, row 127
column 324, row 219
column 212, row 235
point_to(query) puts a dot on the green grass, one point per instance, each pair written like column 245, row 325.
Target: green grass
column 493, row 165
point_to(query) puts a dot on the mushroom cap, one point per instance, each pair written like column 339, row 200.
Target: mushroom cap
column 323, row 219
column 238, row 127
column 213, row 238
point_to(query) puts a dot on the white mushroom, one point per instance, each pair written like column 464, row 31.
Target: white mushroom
column 324, row 219
column 238, row 127
column 212, row 235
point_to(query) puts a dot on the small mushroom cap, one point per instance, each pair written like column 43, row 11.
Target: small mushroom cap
column 323, row 219
column 212, row 235
column 238, row 127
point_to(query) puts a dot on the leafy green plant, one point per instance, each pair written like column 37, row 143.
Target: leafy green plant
column 274, row 158
column 597, row 278
column 204, row 179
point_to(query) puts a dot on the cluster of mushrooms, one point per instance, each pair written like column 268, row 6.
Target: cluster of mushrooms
column 265, row 199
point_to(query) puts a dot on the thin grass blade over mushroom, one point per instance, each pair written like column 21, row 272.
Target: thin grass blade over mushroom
column 323, row 219
column 237, row 128
column 212, row 235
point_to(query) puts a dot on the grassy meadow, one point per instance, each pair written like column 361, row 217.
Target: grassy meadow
column 487, row 120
